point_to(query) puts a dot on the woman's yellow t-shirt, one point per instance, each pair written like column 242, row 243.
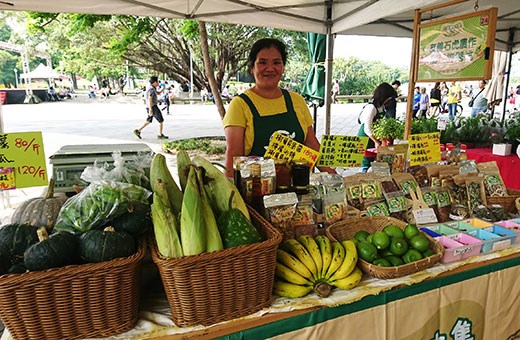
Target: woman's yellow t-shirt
column 239, row 114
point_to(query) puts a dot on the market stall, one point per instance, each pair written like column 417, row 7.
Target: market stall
column 506, row 164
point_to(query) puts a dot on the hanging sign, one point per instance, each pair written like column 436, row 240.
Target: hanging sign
column 424, row 148
column 457, row 48
column 23, row 152
column 283, row 147
column 345, row 151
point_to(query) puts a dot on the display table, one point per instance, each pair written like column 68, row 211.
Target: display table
column 479, row 296
column 508, row 165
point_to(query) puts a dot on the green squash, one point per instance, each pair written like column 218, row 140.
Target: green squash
column 16, row 238
column 40, row 211
column 57, row 250
column 105, row 245
column 5, row 263
column 235, row 229
column 18, row 268
column 136, row 221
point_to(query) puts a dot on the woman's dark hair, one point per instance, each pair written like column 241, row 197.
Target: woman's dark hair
column 437, row 84
column 382, row 93
column 266, row 43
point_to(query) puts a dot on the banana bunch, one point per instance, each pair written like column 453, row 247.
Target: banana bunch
column 307, row 264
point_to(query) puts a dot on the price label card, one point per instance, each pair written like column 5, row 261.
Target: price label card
column 344, row 151
column 441, row 123
column 424, row 148
column 424, row 216
column 283, row 147
column 7, row 181
column 24, row 153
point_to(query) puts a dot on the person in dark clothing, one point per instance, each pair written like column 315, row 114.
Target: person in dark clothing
column 435, row 99
column 391, row 106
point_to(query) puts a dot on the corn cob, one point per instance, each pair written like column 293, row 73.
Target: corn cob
column 165, row 228
column 193, row 230
column 218, row 188
column 213, row 239
column 183, row 163
column 159, row 170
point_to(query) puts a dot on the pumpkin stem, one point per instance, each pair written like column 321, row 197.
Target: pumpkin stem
column 42, row 234
column 109, row 229
column 50, row 188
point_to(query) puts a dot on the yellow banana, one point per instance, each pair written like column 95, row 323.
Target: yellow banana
column 326, row 252
column 338, row 255
column 298, row 250
column 290, row 290
column 313, row 249
column 349, row 263
column 350, row 281
column 290, row 275
column 293, row 263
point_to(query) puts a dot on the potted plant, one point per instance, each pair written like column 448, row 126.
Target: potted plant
column 500, row 145
column 512, row 131
column 388, row 129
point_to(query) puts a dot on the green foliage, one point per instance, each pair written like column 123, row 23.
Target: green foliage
column 475, row 129
column 450, row 135
column 512, row 127
column 424, row 125
column 207, row 145
column 388, row 128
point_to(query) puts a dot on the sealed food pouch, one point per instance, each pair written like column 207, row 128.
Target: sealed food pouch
column 280, row 211
column 405, row 181
column 377, row 208
column 443, row 204
column 353, row 193
column 371, row 189
column 396, row 203
column 420, row 174
column 302, row 221
column 458, row 191
column 476, row 193
column 493, row 183
column 334, row 207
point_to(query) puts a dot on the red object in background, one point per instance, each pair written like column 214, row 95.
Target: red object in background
column 509, row 165
column 3, row 96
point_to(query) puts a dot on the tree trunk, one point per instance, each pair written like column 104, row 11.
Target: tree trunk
column 74, row 81
column 209, row 71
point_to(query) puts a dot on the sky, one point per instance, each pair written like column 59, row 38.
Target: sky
column 394, row 52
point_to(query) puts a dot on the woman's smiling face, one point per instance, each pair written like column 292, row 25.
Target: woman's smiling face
column 268, row 68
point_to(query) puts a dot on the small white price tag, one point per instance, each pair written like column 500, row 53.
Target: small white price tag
column 424, row 216
column 441, row 123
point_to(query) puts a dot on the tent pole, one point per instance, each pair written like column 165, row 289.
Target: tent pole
column 510, row 48
column 328, row 67
column 413, row 75
column 315, row 109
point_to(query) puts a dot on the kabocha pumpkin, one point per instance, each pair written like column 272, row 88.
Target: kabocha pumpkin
column 16, row 238
column 5, row 263
column 40, row 211
column 105, row 245
column 135, row 221
column 58, row 250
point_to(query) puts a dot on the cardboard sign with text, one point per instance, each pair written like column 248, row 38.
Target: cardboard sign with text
column 424, row 148
column 345, row 151
column 24, row 153
column 282, row 147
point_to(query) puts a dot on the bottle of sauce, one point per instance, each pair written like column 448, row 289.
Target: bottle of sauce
column 256, row 187
column 463, row 155
column 283, row 176
column 300, row 173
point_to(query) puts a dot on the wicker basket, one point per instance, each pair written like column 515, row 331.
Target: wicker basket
column 508, row 202
column 347, row 228
column 79, row 301
column 223, row 285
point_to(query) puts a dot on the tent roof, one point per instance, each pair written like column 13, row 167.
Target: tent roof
column 41, row 72
column 364, row 17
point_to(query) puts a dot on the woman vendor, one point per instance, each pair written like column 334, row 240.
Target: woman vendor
column 264, row 109
column 370, row 114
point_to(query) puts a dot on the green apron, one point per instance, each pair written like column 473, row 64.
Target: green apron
column 265, row 126
column 369, row 157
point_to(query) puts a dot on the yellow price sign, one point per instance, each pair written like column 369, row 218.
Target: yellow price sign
column 283, row 147
column 7, row 179
column 424, row 148
column 24, row 153
column 345, row 151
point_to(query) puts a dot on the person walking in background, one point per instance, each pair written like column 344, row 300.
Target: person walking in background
column 391, row 106
column 479, row 102
column 335, row 92
column 371, row 113
column 435, row 98
column 152, row 109
column 454, row 96
column 165, row 97
column 416, row 101
column 424, row 103
column 444, row 97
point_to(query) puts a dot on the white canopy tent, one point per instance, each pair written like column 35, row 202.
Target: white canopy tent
column 41, row 72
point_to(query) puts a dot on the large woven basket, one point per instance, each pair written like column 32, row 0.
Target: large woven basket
column 508, row 202
column 346, row 229
column 222, row 285
column 73, row 302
